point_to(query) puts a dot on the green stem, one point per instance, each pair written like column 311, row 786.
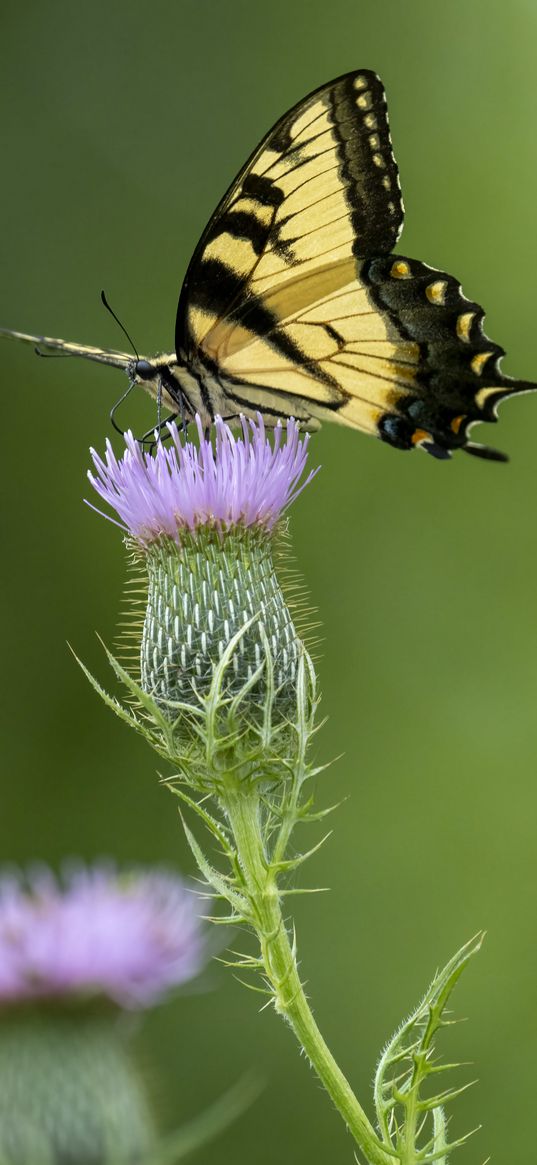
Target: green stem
column 242, row 806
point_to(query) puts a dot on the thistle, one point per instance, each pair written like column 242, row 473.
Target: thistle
column 224, row 688
column 75, row 954
column 218, row 657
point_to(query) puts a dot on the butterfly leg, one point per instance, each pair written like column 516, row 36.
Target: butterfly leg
column 157, row 433
column 159, row 404
column 184, row 422
column 115, row 407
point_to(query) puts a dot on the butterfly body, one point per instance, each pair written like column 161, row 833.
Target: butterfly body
column 295, row 304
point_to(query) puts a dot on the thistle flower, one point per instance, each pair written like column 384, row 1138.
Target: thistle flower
column 242, row 481
column 68, row 1088
column 128, row 938
column 202, row 519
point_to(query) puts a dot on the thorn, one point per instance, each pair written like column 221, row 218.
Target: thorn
column 251, row 987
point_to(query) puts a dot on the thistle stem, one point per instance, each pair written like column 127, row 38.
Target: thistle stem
column 242, row 805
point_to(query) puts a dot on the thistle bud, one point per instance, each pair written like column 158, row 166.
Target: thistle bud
column 199, row 599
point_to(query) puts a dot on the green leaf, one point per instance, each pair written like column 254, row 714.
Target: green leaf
column 410, row 1121
column 124, row 714
column 439, row 1135
column 220, row 882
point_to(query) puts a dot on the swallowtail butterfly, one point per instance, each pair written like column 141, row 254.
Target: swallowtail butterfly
column 294, row 303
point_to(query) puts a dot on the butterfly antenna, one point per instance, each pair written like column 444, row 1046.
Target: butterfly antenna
column 106, row 304
column 124, row 395
column 113, row 410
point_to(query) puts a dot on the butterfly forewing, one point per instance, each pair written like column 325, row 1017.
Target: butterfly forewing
column 322, row 187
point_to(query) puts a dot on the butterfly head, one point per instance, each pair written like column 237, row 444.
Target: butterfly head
column 172, row 385
column 142, row 370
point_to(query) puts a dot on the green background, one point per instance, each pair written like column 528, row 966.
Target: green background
column 123, row 124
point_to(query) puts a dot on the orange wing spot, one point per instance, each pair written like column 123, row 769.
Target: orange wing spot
column 400, row 270
column 456, row 423
column 464, row 325
column 478, row 362
column 420, row 435
column 436, row 292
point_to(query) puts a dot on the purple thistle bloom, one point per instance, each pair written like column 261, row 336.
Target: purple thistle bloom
column 245, row 480
column 127, row 936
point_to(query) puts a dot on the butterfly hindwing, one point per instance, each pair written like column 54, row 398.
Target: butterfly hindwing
column 458, row 380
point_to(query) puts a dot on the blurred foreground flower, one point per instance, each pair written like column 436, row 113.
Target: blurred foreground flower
column 125, row 937
column 73, row 953
column 222, row 686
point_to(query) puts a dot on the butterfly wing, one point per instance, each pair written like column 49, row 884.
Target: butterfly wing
column 322, row 187
column 294, row 305
column 388, row 345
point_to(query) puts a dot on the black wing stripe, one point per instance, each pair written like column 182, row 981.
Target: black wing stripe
column 369, row 201
column 222, row 280
column 263, row 189
column 241, row 224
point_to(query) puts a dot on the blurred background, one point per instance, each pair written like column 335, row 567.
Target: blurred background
column 123, row 125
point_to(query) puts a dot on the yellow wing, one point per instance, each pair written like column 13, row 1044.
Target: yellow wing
column 353, row 363
column 321, row 188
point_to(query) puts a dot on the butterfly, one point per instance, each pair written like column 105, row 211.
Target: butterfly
column 294, row 303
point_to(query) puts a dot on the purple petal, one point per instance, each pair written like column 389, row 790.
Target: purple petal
column 245, row 479
column 129, row 937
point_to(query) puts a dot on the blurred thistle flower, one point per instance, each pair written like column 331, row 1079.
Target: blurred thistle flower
column 69, row 948
column 127, row 937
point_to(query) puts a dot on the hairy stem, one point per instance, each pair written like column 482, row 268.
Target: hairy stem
column 242, row 805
